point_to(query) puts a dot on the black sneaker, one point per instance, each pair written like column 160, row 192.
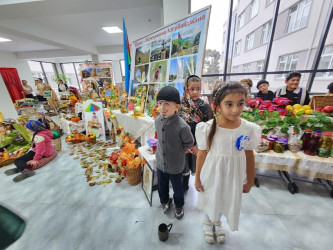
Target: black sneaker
column 179, row 213
column 166, row 206
column 12, row 171
column 24, row 176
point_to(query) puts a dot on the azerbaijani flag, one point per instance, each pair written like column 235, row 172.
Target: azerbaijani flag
column 127, row 57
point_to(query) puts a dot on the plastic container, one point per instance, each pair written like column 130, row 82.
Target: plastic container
column 313, row 144
column 325, row 145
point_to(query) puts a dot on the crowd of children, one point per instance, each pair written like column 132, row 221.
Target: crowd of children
column 190, row 133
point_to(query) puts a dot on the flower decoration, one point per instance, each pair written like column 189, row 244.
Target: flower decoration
column 241, row 140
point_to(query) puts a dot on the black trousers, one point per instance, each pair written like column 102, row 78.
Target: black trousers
column 177, row 185
column 29, row 96
column 41, row 98
column 21, row 162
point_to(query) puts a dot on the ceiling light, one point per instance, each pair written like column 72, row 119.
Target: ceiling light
column 113, row 29
column 4, row 40
column 7, row 2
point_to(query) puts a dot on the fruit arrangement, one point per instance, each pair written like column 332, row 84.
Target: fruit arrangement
column 299, row 110
column 328, row 110
column 76, row 137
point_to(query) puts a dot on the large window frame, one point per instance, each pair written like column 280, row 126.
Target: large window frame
column 327, row 53
column 254, row 8
column 77, row 74
column 266, row 32
column 226, row 74
column 298, row 16
column 288, row 63
column 241, row 20
column 238, row 45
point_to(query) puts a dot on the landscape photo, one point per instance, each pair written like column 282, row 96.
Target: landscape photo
column 186, row 42
column 141, row 73
column 142, row 54
column 160, row 49
column 158, row 71
column 182, row 67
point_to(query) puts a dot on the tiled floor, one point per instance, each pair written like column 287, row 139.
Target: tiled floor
column 63, row 212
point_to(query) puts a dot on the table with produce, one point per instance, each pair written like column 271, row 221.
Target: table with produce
column 294, row 138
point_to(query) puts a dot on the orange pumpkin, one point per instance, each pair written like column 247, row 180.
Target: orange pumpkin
column 75, row 119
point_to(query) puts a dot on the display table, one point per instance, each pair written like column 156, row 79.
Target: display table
column 136, row 127
column 69, row 127
column 146, row 153
column 271, row 160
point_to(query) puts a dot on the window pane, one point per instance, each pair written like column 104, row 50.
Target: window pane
column 36, row 70
column 122, row 67
column 70, row 72
column 218, row 24
column 49, row 71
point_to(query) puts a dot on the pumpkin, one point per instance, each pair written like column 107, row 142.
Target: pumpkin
column 75, row 119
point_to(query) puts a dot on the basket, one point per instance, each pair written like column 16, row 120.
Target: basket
column 7, row 162
column 133, row 175
column 321, row 101
column 57, row 144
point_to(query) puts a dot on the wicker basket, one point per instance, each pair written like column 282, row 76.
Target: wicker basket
column 321, row 101
column 133, row 176
column 7, row 162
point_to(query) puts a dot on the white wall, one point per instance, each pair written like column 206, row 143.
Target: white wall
column 6, row 104
column 8, row 59
column 173, row 10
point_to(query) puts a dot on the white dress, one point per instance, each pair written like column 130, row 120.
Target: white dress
column 224, row 170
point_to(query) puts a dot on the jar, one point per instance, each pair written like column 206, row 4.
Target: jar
column 313, row 144
column 270, row 143
column 306, row 137
column 325, row 145
column 279, row 146
column 285, row 142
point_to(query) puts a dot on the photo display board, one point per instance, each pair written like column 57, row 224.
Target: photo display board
column 171, row 54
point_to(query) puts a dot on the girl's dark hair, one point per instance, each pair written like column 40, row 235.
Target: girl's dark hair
column 191, row 78
column 220, row 92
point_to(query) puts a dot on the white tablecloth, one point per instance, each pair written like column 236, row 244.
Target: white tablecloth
column 136, row 127
column 145, row 152
column 69, row 127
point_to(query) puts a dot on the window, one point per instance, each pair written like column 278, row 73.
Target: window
column 241, row 20
column 326, row 62
column 254, row 8
column 249, row 41
column 122, row 67
column 235, row 69
column 287, row 63
column 298, row 15
column 260, row 68
column 246, row 67
column 49, row 70
column 72, row 71
column 224, row 35
column 237, row 47
column 36, row 70
column 268, row 2
column 266, row 32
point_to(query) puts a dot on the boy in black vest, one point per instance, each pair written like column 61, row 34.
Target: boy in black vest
column 174, row 139
column 264, row 93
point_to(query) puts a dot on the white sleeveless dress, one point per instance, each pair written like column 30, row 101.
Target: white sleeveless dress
column 224, row 170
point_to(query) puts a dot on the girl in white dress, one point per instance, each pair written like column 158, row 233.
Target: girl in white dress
column 225, row 160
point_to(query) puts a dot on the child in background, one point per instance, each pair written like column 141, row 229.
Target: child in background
column 330, row 89
column 247, row 83
column 53, row 100
column 225, row 160
column 292, row 90
column 42, row 147
column 174, row 138
column 264, row 93
column 193, row 110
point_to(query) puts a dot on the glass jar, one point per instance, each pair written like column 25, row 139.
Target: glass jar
column 270, row 143
column 325, row 145
column 306, row 137
column 313, row 144
column 285, row 142
column 279, row 146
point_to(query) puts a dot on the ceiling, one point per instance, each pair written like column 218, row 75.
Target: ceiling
column 74, row 27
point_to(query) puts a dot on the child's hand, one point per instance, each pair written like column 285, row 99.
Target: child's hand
column 198, row 186
column 194, row 150
column 247, row 187
column 33, row 163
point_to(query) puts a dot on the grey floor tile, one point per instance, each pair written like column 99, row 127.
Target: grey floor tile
column 120, row 228
column 312, row 233
column 55, row 226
